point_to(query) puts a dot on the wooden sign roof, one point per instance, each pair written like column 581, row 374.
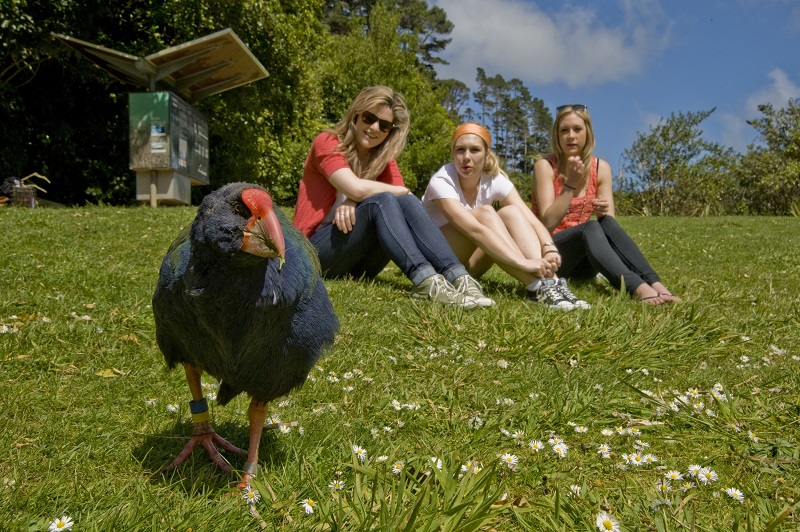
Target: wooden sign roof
column 194, row 70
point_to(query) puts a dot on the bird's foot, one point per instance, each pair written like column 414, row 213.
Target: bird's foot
column 203, row 434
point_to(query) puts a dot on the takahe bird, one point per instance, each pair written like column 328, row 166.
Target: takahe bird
column 240, row 297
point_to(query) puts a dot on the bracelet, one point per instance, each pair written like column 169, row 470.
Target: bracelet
column 551, row 251
column 569, row 187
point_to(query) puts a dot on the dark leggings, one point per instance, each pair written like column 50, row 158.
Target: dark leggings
column 603, row 246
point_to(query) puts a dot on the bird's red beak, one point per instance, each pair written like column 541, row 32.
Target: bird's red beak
column 263, row 235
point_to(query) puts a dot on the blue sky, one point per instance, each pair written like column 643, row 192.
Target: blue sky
column 634, row 62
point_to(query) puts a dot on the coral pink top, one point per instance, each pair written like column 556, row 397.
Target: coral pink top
column 316, row 195
column 580, row 208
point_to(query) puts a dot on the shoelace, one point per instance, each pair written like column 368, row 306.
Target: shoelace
column 554, row 293
column 469, row 286
column 436, row 287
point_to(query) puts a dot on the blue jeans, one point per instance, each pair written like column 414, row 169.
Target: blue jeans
column 387, row 227
column 603, row 246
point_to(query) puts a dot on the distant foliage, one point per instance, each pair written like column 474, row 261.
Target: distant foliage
column 672, row 170
column 770, row 173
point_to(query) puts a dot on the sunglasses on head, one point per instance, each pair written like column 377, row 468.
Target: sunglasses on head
column 369, row 119
column 574, row 106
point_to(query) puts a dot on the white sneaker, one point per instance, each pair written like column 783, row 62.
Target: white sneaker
column 569, row 296
column 436, row 288
column 467, row 285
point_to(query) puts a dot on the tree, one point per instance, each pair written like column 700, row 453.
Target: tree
column 453, row 95
column 676, row 171
column 426, row 24
column 770, row 173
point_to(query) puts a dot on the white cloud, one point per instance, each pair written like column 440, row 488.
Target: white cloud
column 573, row 45
column 736, row 133
column 778, row 93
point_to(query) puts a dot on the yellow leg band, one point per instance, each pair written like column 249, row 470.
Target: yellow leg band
column 199, row 418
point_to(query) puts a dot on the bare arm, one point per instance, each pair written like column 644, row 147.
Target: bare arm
column 603, row 204
column 358, row 189
column 552, row 208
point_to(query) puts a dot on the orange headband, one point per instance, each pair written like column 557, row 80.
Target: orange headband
column 475, row 129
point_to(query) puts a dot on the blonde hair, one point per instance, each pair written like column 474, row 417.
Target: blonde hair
column 370, row 99
column 491, row 164
column 555, row 142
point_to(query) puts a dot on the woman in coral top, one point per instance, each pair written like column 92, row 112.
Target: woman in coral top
column 568, row 187
column 355, row 209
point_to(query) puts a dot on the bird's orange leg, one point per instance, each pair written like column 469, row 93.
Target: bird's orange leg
column 203, row 433
column 257, row 413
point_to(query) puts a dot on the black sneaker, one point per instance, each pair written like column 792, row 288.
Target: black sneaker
column 549, row 295
column 569, row 296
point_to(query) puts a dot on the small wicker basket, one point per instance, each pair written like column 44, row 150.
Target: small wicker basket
column 23, row 196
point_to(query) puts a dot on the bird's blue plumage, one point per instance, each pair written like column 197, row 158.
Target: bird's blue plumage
column 257, row 326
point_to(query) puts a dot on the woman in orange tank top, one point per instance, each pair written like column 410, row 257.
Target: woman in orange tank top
column 570, row 186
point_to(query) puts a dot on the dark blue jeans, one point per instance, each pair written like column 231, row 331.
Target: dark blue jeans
column 387, row 227
column 603, row 246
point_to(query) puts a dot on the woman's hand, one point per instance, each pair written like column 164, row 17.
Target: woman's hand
column 575, row 171
column 345, row 217
column 539, row 267
column 552, row 256
column 600, row 206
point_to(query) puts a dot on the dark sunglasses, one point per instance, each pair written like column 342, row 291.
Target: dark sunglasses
column 575, row 107
column 369, row 119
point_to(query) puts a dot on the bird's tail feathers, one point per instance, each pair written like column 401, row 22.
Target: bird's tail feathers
column 225, row 394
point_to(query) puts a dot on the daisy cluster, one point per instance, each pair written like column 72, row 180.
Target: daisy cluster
column 13, row 323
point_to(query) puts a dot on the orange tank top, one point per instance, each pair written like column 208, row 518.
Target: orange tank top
column 580, row 208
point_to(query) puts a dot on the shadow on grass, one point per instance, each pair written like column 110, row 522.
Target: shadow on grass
column 198, row 473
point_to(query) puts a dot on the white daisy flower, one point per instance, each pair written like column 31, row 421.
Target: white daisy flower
column 250, row 495
column 734, row 493
column 511, row 460
column 606, row 522
column 308, row 505
column 560, row 449
column 475, row 423
column 360, row 453
column 706, row 475
column 62, row 523
column 673, row 475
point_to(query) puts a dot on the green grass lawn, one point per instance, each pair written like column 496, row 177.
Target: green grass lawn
column 459, row 413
